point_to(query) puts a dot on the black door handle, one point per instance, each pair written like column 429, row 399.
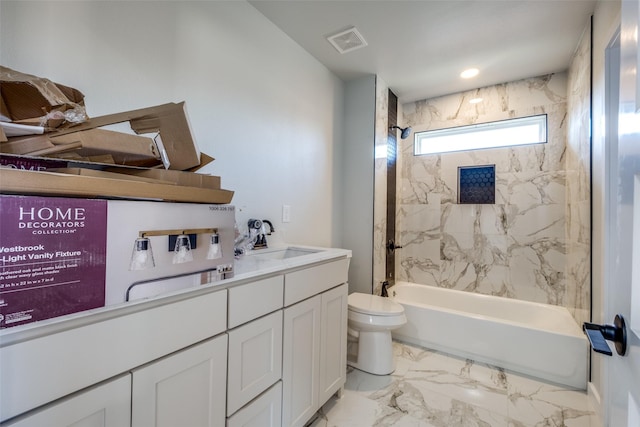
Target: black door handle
column 598, row 334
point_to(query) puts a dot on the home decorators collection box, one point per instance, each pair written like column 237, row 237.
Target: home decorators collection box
column 60, row 256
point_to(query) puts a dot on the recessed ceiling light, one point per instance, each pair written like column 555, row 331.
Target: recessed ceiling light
column 471, row 72
column 475, row 100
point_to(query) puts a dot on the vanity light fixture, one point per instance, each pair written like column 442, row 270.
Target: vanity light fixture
column 182, row 252
column 142, row 255
column 469, row 73
column 215, row 251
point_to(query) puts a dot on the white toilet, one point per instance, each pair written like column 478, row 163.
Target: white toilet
column 371, row 319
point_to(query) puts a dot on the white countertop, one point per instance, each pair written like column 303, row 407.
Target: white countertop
column 258, row 263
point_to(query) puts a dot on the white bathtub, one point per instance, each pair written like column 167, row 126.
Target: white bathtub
column 539, row 340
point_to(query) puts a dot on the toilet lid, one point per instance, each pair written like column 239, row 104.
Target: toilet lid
column 374, row 305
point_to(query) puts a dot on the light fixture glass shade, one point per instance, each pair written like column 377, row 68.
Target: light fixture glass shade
column 215, row 251
column 182, row 252
column 142, row 255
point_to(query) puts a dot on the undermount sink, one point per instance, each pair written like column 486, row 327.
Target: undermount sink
column 283, row 253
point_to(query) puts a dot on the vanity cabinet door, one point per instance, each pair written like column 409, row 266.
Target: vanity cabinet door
column 255, row 359
column 187, row 388
column 105, row 405
column 333, row 342
column 300, row 361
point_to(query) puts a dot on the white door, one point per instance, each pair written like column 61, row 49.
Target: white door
column 623, row 290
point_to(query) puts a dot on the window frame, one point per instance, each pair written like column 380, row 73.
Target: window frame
column 539, row 119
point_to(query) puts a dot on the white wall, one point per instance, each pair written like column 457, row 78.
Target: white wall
column 360, row 116
column 270, row 114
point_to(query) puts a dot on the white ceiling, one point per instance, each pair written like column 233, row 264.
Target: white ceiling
column 420, row 47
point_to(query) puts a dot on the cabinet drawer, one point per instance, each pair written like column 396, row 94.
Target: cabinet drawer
column 250, row 301
column 40, row 370
column 306, row 283
column 255, row 359
column 264, row 411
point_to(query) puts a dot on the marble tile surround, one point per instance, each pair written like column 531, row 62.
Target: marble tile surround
column 516, row 247
column 432, row 389
column 532, row 243
column 578, row 229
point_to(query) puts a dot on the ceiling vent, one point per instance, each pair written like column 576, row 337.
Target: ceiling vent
column 347, row 40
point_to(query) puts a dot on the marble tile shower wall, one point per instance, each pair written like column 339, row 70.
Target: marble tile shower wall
column 578, row 270
column 516, row 247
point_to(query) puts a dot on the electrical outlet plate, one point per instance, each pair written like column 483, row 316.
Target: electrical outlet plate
column 286, row 213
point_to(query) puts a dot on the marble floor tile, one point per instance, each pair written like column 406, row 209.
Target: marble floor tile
column 433, row 389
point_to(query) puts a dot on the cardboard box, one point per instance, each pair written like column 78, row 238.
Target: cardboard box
column 125, row 149
column 65, row 255
column 49, row 183
column 29, row 162
column 188, row 179
column 179, row 150
column 53, row 257
column 26, row 97
column 111, row 175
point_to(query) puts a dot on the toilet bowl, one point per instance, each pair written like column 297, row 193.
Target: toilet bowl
column 371, row 319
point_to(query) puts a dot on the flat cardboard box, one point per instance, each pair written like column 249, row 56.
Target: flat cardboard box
column 26, row 144
column 188, row 179
column 26, row 97
column 111, row 175
column 126, row 149
column 93, row 145
column 30, row 162
column 180, row 151
column 15, row 181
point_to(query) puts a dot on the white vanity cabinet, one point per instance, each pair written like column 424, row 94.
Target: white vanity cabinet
column 187, row 388
column 264, row 351
column 38, row 370
column 314, row 341
column 104, row 405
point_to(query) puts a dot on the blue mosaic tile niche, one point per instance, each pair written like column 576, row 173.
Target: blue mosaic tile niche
column 477, row 184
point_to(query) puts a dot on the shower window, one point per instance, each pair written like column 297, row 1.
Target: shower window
column 504, row 133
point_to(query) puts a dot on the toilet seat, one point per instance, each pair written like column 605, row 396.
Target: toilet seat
column 374, row 305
